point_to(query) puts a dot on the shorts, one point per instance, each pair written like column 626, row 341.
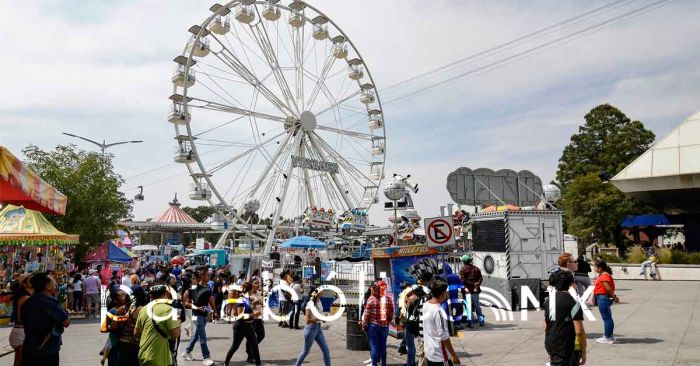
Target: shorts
column 93, row 299
column 16, row 337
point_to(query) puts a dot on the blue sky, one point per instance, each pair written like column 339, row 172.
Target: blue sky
column 101, row 69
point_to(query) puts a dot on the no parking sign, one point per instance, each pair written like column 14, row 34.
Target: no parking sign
column 439, row 231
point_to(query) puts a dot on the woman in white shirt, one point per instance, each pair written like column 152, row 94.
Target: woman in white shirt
column 78, row 292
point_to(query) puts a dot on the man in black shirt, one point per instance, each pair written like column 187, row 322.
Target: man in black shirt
column 564, row 327
column 202, row 303
column 44, row 321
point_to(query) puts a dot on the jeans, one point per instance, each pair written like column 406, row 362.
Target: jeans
column 77, row 300
column 647, row 263
column 411, row 347
column 313, row 332
column 200, row 334
column 296, row 311
column 604, row 304
column 377, row 343
column 476, row 306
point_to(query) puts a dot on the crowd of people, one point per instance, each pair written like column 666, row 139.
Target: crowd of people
column 150, row 307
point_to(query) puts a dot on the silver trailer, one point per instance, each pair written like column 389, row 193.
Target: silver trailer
column 515, row 249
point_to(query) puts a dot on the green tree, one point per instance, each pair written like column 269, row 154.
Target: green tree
column 607, row 142
column 594, row 209
column 89, row 181
column 200, row 213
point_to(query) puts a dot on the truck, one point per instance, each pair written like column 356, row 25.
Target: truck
column 515, row 249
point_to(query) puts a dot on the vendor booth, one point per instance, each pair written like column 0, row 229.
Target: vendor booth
column 111, row 257
column 29, row 243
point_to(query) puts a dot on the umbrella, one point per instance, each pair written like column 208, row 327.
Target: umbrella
column 300, row 242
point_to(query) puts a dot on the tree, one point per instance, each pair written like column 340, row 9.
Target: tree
column 200, row 213
column 607, row 142
column 92, row 187
column 594, row 209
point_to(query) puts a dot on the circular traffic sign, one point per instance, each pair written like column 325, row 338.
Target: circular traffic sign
column 439, row 231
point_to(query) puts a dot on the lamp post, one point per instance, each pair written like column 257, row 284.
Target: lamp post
column 394, row 191
column 104, row 145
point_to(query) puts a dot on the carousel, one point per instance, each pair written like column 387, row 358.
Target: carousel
column 172, row 224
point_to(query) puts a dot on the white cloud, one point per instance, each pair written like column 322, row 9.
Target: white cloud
column 107, row 76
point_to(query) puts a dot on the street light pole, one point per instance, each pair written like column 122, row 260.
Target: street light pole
column 103, row 146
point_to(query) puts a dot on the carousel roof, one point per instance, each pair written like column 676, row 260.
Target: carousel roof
column 174, row 215
column 19, row 225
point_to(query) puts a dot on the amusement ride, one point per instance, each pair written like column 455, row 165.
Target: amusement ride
column 277, row 118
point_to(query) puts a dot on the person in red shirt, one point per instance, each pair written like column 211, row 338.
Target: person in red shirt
column 379, row 311
column 604, row 292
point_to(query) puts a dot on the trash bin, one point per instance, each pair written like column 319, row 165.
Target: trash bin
column 356, row 339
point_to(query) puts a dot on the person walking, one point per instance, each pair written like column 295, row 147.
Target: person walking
column 19, row 297
column 471, row 278
column 313, row 333
column 296, row 304
column 44, row 320
column 69, row 291
column 78, row 293
column 201, row 302
column 604, row 292
column 256, row 302
column 379, row 311
column 564, row 330
column 436, row 334
column 243, row 326
column 92, row 294
column 155, row 325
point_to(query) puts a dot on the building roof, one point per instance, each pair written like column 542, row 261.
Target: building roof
column 174, row 215
column 667, row 175
column 675, row 154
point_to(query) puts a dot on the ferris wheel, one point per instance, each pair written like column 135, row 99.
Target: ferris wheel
column 275, row 114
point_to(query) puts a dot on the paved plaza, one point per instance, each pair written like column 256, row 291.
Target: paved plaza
column 657, row 323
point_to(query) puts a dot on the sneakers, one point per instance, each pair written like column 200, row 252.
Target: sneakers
column 481, row 321
column 403, row 350
column 207, row 362
column 641, row 273
column 605, row 340
column 187, row 356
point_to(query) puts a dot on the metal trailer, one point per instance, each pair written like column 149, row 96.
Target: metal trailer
column 515, row 249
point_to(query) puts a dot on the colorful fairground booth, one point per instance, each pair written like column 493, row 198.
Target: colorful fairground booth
column 111, row 257
column 28, row 241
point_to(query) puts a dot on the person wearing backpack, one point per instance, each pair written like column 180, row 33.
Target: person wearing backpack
column 154, row 348
column 413, row 327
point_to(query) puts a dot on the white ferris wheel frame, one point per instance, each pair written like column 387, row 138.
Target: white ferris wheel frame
column 313, row 138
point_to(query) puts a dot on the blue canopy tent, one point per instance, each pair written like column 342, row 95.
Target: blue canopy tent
column 303, row 242
column 108, row 252
column 645, row 220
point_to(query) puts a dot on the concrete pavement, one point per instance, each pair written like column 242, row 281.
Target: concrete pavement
column 657, row 323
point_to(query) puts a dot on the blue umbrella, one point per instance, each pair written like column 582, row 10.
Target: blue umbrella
column 302, row 241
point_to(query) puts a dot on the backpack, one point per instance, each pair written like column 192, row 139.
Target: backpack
column 414, row 313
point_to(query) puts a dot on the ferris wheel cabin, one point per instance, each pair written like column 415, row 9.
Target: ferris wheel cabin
column 180, row 79
column 377, row 145
column 376, row 170
column 220, row 25
column 367, row 96
column 178, row 114
column 199, row 190
column 244, row 13
column 183, row 150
